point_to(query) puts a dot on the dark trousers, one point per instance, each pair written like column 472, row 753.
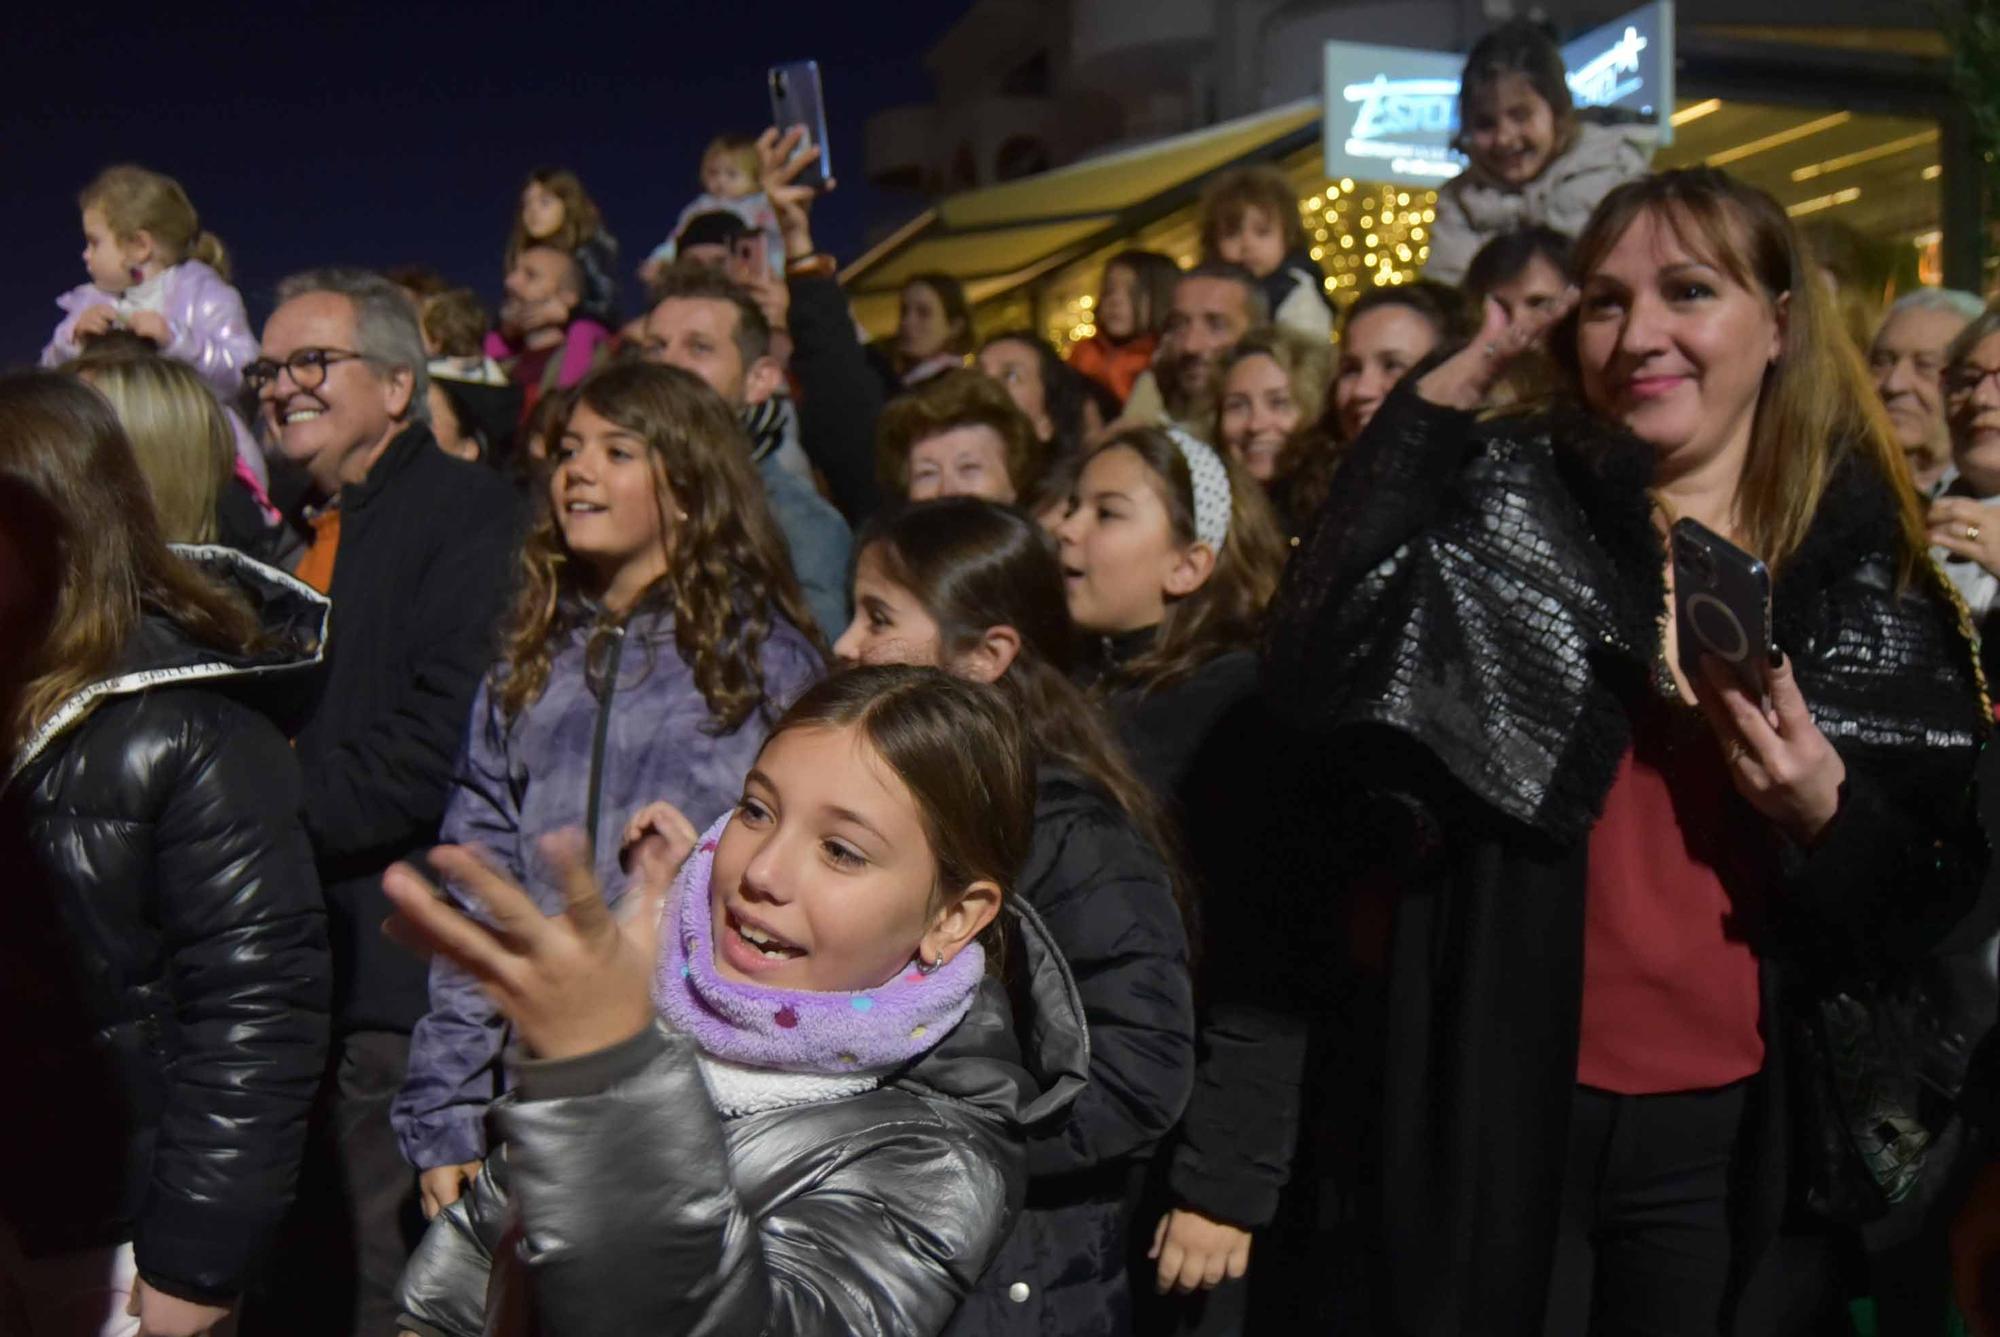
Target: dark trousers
column 357, row 1215
column 1644, row 1245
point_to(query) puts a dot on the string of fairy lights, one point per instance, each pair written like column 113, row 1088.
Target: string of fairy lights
column 1362, row 234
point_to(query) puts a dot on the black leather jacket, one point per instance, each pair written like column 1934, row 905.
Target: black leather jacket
column 640, row 1210
column 164, row 977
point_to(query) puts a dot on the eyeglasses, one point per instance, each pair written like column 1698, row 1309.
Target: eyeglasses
column 307, row 367
column 1963, row 380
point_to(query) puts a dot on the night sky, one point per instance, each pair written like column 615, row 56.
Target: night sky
column 377, row 134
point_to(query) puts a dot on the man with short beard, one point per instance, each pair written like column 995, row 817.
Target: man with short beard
column 542, row 342
column 1214, row 306
column 417, row 549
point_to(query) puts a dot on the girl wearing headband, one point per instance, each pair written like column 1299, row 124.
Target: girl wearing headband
column 1169, row 554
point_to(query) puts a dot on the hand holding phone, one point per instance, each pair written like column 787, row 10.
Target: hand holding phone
column 796, row 100
column 1722, row 607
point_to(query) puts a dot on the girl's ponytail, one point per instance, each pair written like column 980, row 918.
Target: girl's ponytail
column 208, row 248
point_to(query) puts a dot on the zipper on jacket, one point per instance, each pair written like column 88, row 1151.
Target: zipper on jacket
column 598, row 737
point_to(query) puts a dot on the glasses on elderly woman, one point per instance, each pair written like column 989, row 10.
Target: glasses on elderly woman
column 307, row 367
column 1967, row 377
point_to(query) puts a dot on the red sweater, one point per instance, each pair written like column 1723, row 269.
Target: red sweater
column 1670, row 983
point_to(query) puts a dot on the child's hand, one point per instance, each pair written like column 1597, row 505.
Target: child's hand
column 657, row 841
column 1196, row 1253
column 572, row 983
column 151, row 325
column 777, row 170
column 97, row 320
column 441, row 1185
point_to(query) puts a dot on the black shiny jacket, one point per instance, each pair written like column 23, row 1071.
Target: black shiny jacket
column 164, row 978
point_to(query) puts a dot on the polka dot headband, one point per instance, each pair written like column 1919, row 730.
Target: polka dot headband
column 1212, row 498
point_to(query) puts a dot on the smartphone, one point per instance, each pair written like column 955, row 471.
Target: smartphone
column 796, row 99
column 752, row 255
column 1722, row 606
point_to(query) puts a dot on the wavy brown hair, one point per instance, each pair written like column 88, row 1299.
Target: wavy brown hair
column 61, row 444
column 728, row 578
column 581, row 219
column 1227, row 612
column 1817, row 407
column 974, row 565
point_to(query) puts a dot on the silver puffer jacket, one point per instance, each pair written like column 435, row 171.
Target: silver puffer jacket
column 623, row 1204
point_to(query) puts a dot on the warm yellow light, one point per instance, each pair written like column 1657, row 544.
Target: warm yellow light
column 1819, row 202
column 1086, row 302
column 1778, row 140
column 1416, row 234
column 1317, row 252
column 1694, row 111
column 1933, row 172
column 1346, row 183
column 1859, row 156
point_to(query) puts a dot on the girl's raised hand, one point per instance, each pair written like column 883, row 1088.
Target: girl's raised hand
column 572, row 983
column 656, row 842
column 96, row 320
column 777, row 169
column 1463, row 380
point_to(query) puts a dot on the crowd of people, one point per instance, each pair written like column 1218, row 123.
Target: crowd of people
column 648, row 816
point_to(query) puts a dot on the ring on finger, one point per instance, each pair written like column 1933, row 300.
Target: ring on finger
column 1972, row 533
column 1734, row 751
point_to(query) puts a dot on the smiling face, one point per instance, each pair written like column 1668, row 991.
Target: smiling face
column 1906, row 362
column 1120, row 558
column 1377, row 351
column 1259, row 414
column 1019, row 368
column 542, row 211
column 337, row 428
column 824, row 877
column 724, row 175
column 1257, row 242
column 109, row 260
column 605, row 493
column 1673, row 347
column 889, row 626
column 1974, row 407
column 968, row 461
column 1510, row 130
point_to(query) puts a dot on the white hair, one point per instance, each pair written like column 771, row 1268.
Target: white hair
column 1960, row 303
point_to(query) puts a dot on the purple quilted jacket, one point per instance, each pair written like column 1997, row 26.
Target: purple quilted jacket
column 646, row 739
column 211, row 330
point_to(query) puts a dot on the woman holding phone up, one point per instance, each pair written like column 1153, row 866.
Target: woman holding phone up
column 1627, row 887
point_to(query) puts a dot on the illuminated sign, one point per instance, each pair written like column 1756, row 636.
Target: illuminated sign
column 1392, row 111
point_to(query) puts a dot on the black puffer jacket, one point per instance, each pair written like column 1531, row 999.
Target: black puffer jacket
column 1108, row 901
column 164, row 976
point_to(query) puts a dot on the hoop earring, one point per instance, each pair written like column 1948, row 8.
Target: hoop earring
column 929, row 967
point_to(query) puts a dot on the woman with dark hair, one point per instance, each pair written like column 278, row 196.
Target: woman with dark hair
column 933, row 332
column 657, row 634
column 1046, row 389
column 164, row 976
column 1526, row 271
column 1629, row 885
column 1133, row 300
column 974, row 588
column 1531, row 158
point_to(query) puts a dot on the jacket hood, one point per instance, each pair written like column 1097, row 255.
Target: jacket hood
column 1027, row 1079
column 275, row 677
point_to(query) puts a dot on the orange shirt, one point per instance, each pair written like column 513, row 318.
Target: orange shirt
column 316, row 567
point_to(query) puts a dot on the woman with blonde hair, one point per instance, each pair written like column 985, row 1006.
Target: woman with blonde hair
column 1634, row 877
column 185, row 446
column 656, row 636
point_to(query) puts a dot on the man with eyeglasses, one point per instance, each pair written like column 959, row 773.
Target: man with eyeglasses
column 416, row 549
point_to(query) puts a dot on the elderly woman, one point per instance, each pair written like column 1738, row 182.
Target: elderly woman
column 1905, row 361
column 1963, row 523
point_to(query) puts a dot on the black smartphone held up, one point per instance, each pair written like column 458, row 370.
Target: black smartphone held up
column 1722, row 606
column 796, row 99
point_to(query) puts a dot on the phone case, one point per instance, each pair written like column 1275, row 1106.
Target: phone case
column 797, row 99
column 1722, row 605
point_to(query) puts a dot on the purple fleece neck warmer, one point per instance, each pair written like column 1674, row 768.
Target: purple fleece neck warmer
column 794, row 1030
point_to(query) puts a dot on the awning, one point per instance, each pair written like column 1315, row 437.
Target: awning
column 1000, row 237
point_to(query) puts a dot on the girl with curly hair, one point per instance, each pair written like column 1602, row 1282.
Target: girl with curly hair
column 656, row 636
